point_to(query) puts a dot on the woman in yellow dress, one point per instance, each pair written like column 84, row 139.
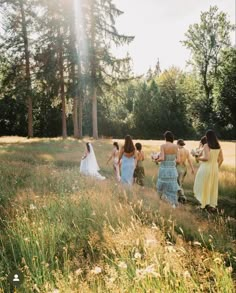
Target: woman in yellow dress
column 206, row 182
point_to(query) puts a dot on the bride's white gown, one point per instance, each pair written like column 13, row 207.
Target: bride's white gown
column 89, row 165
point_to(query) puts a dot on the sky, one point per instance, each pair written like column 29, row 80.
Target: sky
column 159, row 26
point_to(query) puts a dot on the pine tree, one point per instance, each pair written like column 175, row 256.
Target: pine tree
column 102, row 68
column 52, row 51
column 15, row 45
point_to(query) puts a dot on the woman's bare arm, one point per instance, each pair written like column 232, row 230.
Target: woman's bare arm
column 205, row 154
column 121, row 154
column 162, row 155
column 220, row 158
column 190, row 163
column 111, row 156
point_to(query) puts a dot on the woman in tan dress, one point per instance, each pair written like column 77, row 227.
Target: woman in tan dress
column 206, row 182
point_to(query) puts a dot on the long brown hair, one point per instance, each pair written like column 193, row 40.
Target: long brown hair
column 168, row 135
column 212, row 140
column 88, row 147
column 129, row 145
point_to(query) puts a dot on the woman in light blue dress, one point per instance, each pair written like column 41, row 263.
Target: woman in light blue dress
column 167, row 185
column 128, row 161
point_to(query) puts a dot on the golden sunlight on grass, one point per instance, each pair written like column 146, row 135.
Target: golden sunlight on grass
column 71, row 233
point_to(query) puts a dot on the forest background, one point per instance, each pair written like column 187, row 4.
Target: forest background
column 59, row 76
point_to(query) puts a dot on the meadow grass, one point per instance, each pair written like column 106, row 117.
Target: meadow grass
column 71, row 233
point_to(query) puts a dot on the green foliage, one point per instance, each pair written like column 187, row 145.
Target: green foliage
column 71, row 55
column 225, row 94
column 205, row 40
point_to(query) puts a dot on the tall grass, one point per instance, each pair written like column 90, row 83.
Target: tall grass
column 75, row 234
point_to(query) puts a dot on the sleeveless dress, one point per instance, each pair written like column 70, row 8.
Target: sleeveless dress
column 167, row 185
column 206, row 182
column 116, row 164
column 127, row 169
column 139, row 173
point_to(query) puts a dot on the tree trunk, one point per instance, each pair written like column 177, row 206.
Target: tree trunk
column 75, row 116
column 27, row 71
column 94, row 114
column 80, row 116
column 75, row 103
column 62, row 89
column 93, row 73
column 73, row 70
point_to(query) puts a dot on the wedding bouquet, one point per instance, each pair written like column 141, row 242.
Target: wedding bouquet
column 155, row 156
column 196, row 152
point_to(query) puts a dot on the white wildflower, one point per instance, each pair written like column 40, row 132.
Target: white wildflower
column 96, row 270
column 122, row 265
column 151, row 242
column 170, row 248
column 78, row 272
column 186, row 274
column 229, row 270
column 137, row 255
column 32, row 207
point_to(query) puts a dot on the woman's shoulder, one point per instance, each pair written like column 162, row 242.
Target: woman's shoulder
column 169, row 147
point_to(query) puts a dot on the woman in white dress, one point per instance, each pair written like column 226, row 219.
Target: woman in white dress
column 89, row 165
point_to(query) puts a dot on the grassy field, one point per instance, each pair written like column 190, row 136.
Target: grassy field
column 69, row 233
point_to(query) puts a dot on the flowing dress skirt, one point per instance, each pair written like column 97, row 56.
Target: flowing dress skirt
column 88, row 169
column 206, row 182
column 167, row 185
column 127, row 170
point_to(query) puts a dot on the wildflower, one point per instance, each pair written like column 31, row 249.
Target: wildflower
column 186, row 275
column 122, row 265
column 150, row 269
column 196, row 243
column 154, row 226
column 25, row 219
column 78, row 272
column 229, row 270
column 170, row 248
column 96, row 270
column 137, row 255
column 32, row 207
column 151, row 242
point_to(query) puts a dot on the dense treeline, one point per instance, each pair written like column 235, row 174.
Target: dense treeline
column 58, row 76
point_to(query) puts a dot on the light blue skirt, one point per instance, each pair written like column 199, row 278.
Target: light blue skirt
column 167, row 185
column 127, row 170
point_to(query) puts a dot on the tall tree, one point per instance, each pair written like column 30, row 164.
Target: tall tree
column 173, row 105
column 53, row 49
column 104, row 69
column 17, row 17
column 205, row 41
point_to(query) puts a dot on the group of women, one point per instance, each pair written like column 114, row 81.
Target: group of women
column 127, row 162
column 206, row 181
column 128, row 168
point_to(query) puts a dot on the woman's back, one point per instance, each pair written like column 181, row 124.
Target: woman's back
column 213, row 156
column 170, row 151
